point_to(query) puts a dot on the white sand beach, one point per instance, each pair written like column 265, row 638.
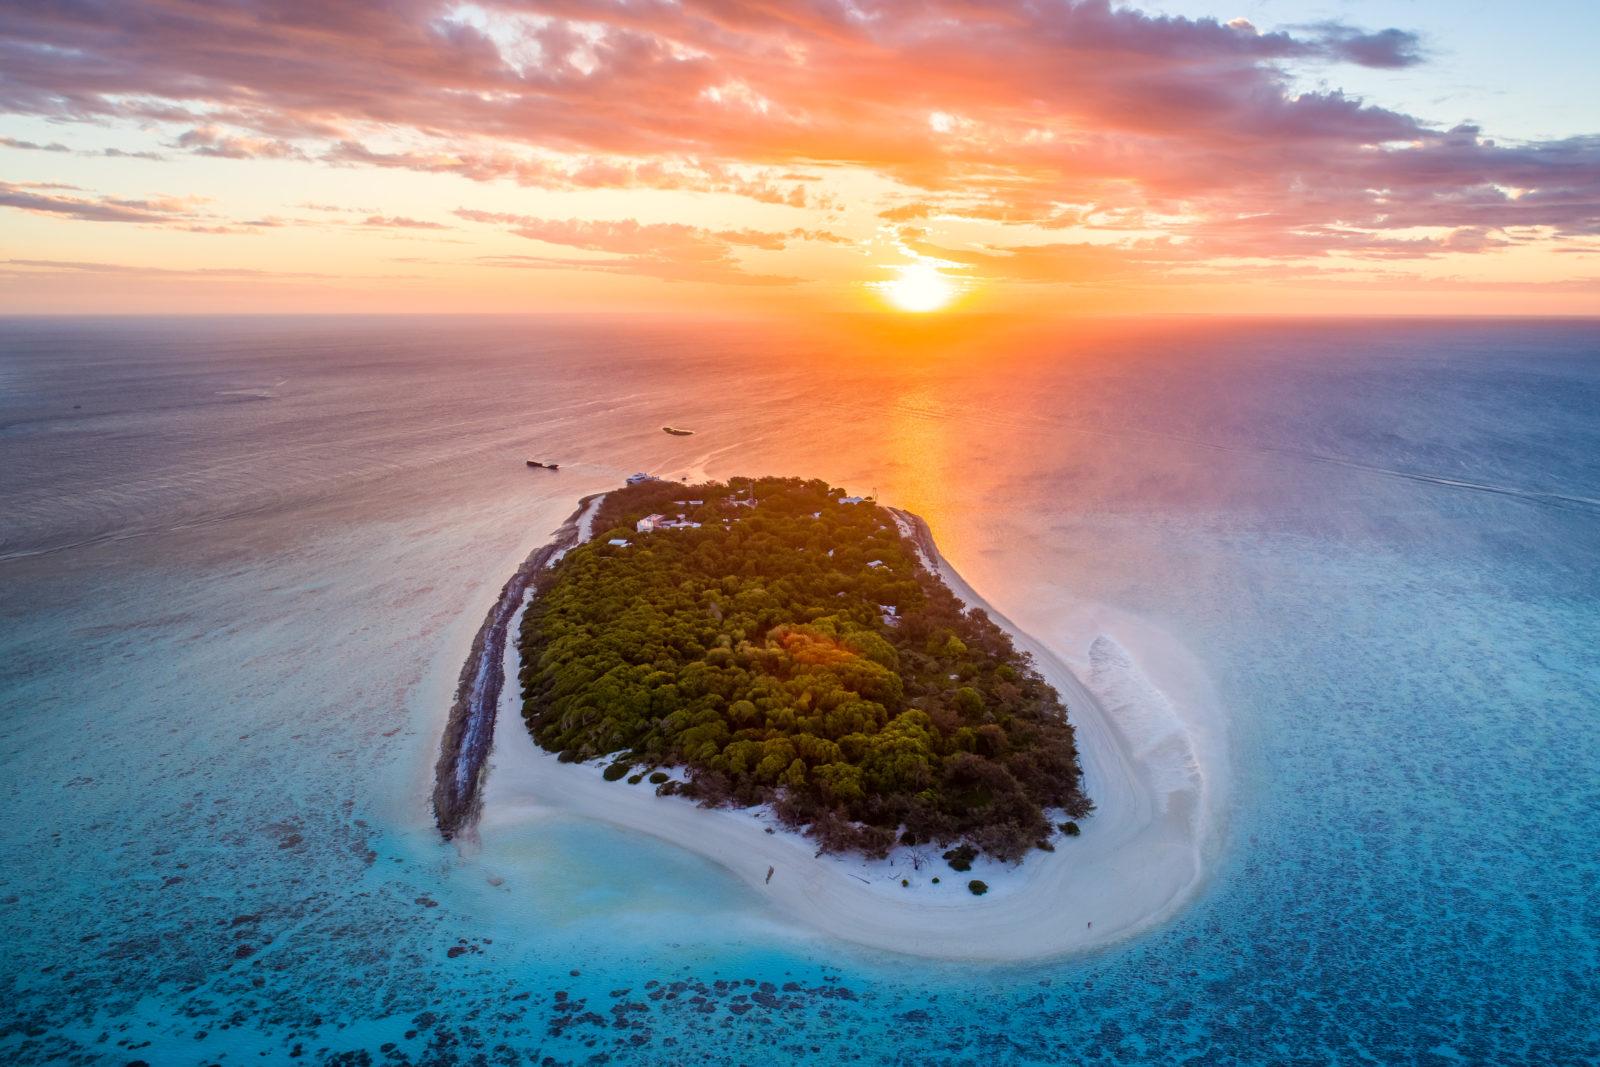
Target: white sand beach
column 1151, row 741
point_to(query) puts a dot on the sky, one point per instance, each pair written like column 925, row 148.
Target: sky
column 1053, row 157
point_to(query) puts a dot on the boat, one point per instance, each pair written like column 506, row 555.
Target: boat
column 674, row 431
column 544, row 466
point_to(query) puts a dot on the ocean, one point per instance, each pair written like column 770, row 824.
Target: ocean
column 241, row 560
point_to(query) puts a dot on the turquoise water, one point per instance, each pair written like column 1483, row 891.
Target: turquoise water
column 240, row 561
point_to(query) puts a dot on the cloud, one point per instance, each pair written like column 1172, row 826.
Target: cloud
column 1056, row 115
column 1016, row 208
column 1385, row 49
column 582, row 172
column 179, row 213
column 400, row 222
column 66, row 272
column 644, row 267
column 55, row 146
column 166, row 212
column 12, row 142
column 92, row 209
column 65, row 266
column 908, row 212
column 211, row 141
column 671, row 251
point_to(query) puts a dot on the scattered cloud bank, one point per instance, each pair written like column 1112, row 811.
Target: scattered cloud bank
column 1187, row 137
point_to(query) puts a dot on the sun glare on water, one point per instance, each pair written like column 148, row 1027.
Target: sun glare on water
column 919, row 288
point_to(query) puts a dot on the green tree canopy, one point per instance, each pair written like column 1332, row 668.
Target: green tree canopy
column 796, row 652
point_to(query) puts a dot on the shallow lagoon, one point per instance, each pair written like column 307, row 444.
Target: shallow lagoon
column 240, row 578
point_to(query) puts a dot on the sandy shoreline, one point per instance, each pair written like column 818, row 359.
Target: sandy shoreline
column 1151, row 764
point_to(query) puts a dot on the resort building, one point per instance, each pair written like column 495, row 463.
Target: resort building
column 661, row 522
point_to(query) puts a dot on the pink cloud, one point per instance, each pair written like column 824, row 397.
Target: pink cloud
column 401, row 222
column 1068, row 111
column 42, row 199
column 210, row 141
column 33, row 146
column 672, row 251
column 586, row 173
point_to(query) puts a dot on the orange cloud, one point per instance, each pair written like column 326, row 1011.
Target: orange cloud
column 671, row 251
column 1185, row 141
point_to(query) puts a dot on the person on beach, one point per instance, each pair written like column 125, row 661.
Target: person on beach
column 769, row 874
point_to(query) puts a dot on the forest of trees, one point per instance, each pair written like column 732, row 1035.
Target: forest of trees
column 759, row 653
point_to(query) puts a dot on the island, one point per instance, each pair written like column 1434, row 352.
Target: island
column 795, row 684
column 776, row 642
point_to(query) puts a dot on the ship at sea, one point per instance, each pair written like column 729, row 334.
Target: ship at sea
column 676, row 432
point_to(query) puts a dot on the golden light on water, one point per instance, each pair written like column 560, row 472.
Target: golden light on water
column 920, row 287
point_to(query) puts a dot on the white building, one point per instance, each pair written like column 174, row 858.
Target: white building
column 620, row 542
column 661, row 522
column 635, row 479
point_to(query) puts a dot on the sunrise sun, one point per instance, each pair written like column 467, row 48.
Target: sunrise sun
column 920, row 287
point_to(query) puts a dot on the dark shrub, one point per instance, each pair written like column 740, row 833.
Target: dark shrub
column 1044, row 845
column 874, row 842
column 961, row 858
column 616, row 770
column 669, row 788
column 658, row 777
column 935, row 879
column 1070, row 829
column 635, row 779
column 978, row 887
column 904, row 882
